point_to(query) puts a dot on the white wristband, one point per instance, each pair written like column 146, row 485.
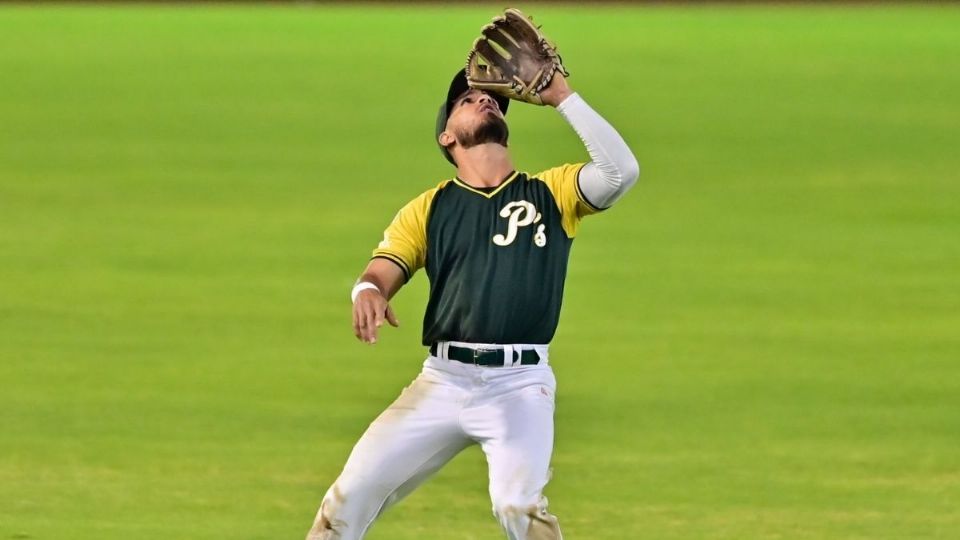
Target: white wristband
column 362, row 286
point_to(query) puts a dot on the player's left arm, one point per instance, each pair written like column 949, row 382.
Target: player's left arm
column 613, row 169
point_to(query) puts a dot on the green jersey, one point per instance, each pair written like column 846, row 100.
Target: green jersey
column 496, row 259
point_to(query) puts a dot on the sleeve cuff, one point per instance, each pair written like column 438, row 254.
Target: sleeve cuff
column 583, row 198
column 395, row 260
column 569, row 102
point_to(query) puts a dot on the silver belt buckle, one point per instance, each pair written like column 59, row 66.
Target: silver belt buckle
column 480, row 351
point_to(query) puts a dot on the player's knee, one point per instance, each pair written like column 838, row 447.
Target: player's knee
column 347, row 506
column 330, row 523
column 324, row 527
column 523, row 520
column 327, row 524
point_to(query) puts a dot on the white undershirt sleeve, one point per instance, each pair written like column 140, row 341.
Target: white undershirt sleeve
column 613, row 169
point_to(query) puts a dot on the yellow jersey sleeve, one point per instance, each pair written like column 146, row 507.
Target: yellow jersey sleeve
column 405, row 239
column 563, row 185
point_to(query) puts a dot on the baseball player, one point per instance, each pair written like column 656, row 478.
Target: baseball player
column 494, row 242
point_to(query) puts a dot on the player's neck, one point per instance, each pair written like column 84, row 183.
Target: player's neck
column 484, row 165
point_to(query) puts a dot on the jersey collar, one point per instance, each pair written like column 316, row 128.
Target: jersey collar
column 468, row 187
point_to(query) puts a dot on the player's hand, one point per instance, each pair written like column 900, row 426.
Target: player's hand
column 369, row 312
column 557, row 91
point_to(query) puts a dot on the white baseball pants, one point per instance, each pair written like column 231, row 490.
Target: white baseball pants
column 448, row 407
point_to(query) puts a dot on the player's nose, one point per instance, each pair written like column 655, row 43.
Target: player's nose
column 487, row 99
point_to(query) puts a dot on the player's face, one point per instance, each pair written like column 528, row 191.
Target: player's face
column 475, row 103
column 476, row 119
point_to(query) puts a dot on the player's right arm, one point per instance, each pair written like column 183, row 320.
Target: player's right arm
column 371, row 307
column 401, row 253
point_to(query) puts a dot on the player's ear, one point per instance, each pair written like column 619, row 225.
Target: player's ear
column 446, row 140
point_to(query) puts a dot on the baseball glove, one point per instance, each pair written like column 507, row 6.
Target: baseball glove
column 513, row 58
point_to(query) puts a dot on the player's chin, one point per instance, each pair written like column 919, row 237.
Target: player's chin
column 494, row 130
column 492, row 121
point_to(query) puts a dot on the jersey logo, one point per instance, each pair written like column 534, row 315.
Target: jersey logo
column 520, row 214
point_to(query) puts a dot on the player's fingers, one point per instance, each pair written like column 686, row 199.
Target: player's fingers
column 391, row 317
column 378, row 317
column 359, row 321
column 356, row 323
column 362, row 320
column 370, row 321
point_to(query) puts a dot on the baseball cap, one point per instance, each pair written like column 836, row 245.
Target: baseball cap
column 458, row 86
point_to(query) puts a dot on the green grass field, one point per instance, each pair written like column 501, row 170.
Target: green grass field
column 761, row 342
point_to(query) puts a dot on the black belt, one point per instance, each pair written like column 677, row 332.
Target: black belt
column 488, row 357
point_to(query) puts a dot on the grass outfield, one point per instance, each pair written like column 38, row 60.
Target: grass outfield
column 761, row 342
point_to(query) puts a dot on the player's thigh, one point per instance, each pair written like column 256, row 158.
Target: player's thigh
column 520, row 444
column 418, row 428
